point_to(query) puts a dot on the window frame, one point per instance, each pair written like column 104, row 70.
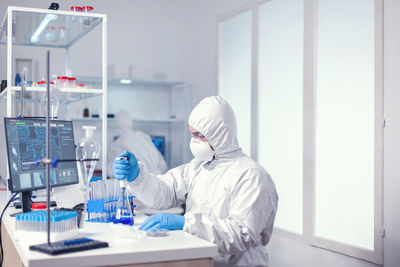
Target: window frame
column 309, row 86
column 309, row 89
column 253, row 7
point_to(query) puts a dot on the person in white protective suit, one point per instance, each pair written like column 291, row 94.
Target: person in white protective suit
column 230, row 199
column 139, row 143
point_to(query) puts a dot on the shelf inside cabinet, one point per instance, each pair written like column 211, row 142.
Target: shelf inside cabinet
column 48, row 28
column 137, row 82
column 134, row 120
column 159, row 120
column 132, row 82
column 34, row 94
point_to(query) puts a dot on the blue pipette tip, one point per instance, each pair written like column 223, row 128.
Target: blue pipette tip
column 55, row 161
column 37, row 161
column 77, row 241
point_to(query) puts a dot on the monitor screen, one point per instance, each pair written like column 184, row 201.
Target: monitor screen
column 26, row 143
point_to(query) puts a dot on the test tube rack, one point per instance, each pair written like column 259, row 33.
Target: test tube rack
column 104, row 211
column 35, row 221
column 101, row 211
column 63, row 225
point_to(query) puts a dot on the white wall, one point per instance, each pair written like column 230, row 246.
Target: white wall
column 288, row 252
column 198, row 33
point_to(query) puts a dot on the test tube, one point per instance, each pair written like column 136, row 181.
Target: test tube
column 72, row 82
column 87, row 20
column 80, row 85
column 76, row 8
column 91, row 190
column 95, row 190
column 108, row 188
column 103, row 190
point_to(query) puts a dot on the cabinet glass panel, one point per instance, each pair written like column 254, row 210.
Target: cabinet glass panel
column 50, row 30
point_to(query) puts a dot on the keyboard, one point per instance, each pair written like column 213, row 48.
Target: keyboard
column 68, row 246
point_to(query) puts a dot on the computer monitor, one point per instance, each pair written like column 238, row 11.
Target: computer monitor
column 26, row 143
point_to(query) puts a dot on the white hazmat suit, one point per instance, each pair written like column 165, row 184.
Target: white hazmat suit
column 137, row 142
column 230, row 201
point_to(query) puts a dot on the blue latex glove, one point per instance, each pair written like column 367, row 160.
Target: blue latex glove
column 126, row 169
column 163, row 221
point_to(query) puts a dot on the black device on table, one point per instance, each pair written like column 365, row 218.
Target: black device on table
column 71, row 245
column 26, row 143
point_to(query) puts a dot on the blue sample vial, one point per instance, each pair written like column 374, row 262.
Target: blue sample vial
column 17, row 80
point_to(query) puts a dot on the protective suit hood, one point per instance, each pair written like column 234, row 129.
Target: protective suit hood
column 123, row 122
column 214, row 118
column 124, row 137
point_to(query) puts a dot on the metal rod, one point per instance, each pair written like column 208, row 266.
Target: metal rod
column 9, row 61
column 104, row 98
column 67, row 61
column 48, row 185
column 23, row 83
column 74, row 160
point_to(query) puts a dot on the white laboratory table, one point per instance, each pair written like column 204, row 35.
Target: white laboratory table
column 125, row 248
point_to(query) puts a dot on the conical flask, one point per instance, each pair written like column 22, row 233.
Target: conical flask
column 90, row 150
column 123, row 213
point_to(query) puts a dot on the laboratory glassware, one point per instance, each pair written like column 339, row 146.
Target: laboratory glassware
column 61, row 33
column 35, row 221
column 87, row 148
column 3, row 85
column 123, row 212
column 51, row 34
column 87, row 20
column 76, row 8
column 54, row 99
column 72, row 81
column 90, row 150
column 157, row 232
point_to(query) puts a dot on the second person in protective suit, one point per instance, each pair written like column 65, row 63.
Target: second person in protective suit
column 230, row 199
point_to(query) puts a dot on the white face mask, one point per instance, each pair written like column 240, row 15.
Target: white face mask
column 201, row 150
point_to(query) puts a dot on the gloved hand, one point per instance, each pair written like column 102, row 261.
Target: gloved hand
column 163, row 221
column 126, row 169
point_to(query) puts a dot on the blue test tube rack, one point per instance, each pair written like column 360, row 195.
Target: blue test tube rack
column 36, row 221
column 104, row 211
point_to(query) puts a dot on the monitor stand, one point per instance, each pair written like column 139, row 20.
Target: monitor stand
column 26, row 201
